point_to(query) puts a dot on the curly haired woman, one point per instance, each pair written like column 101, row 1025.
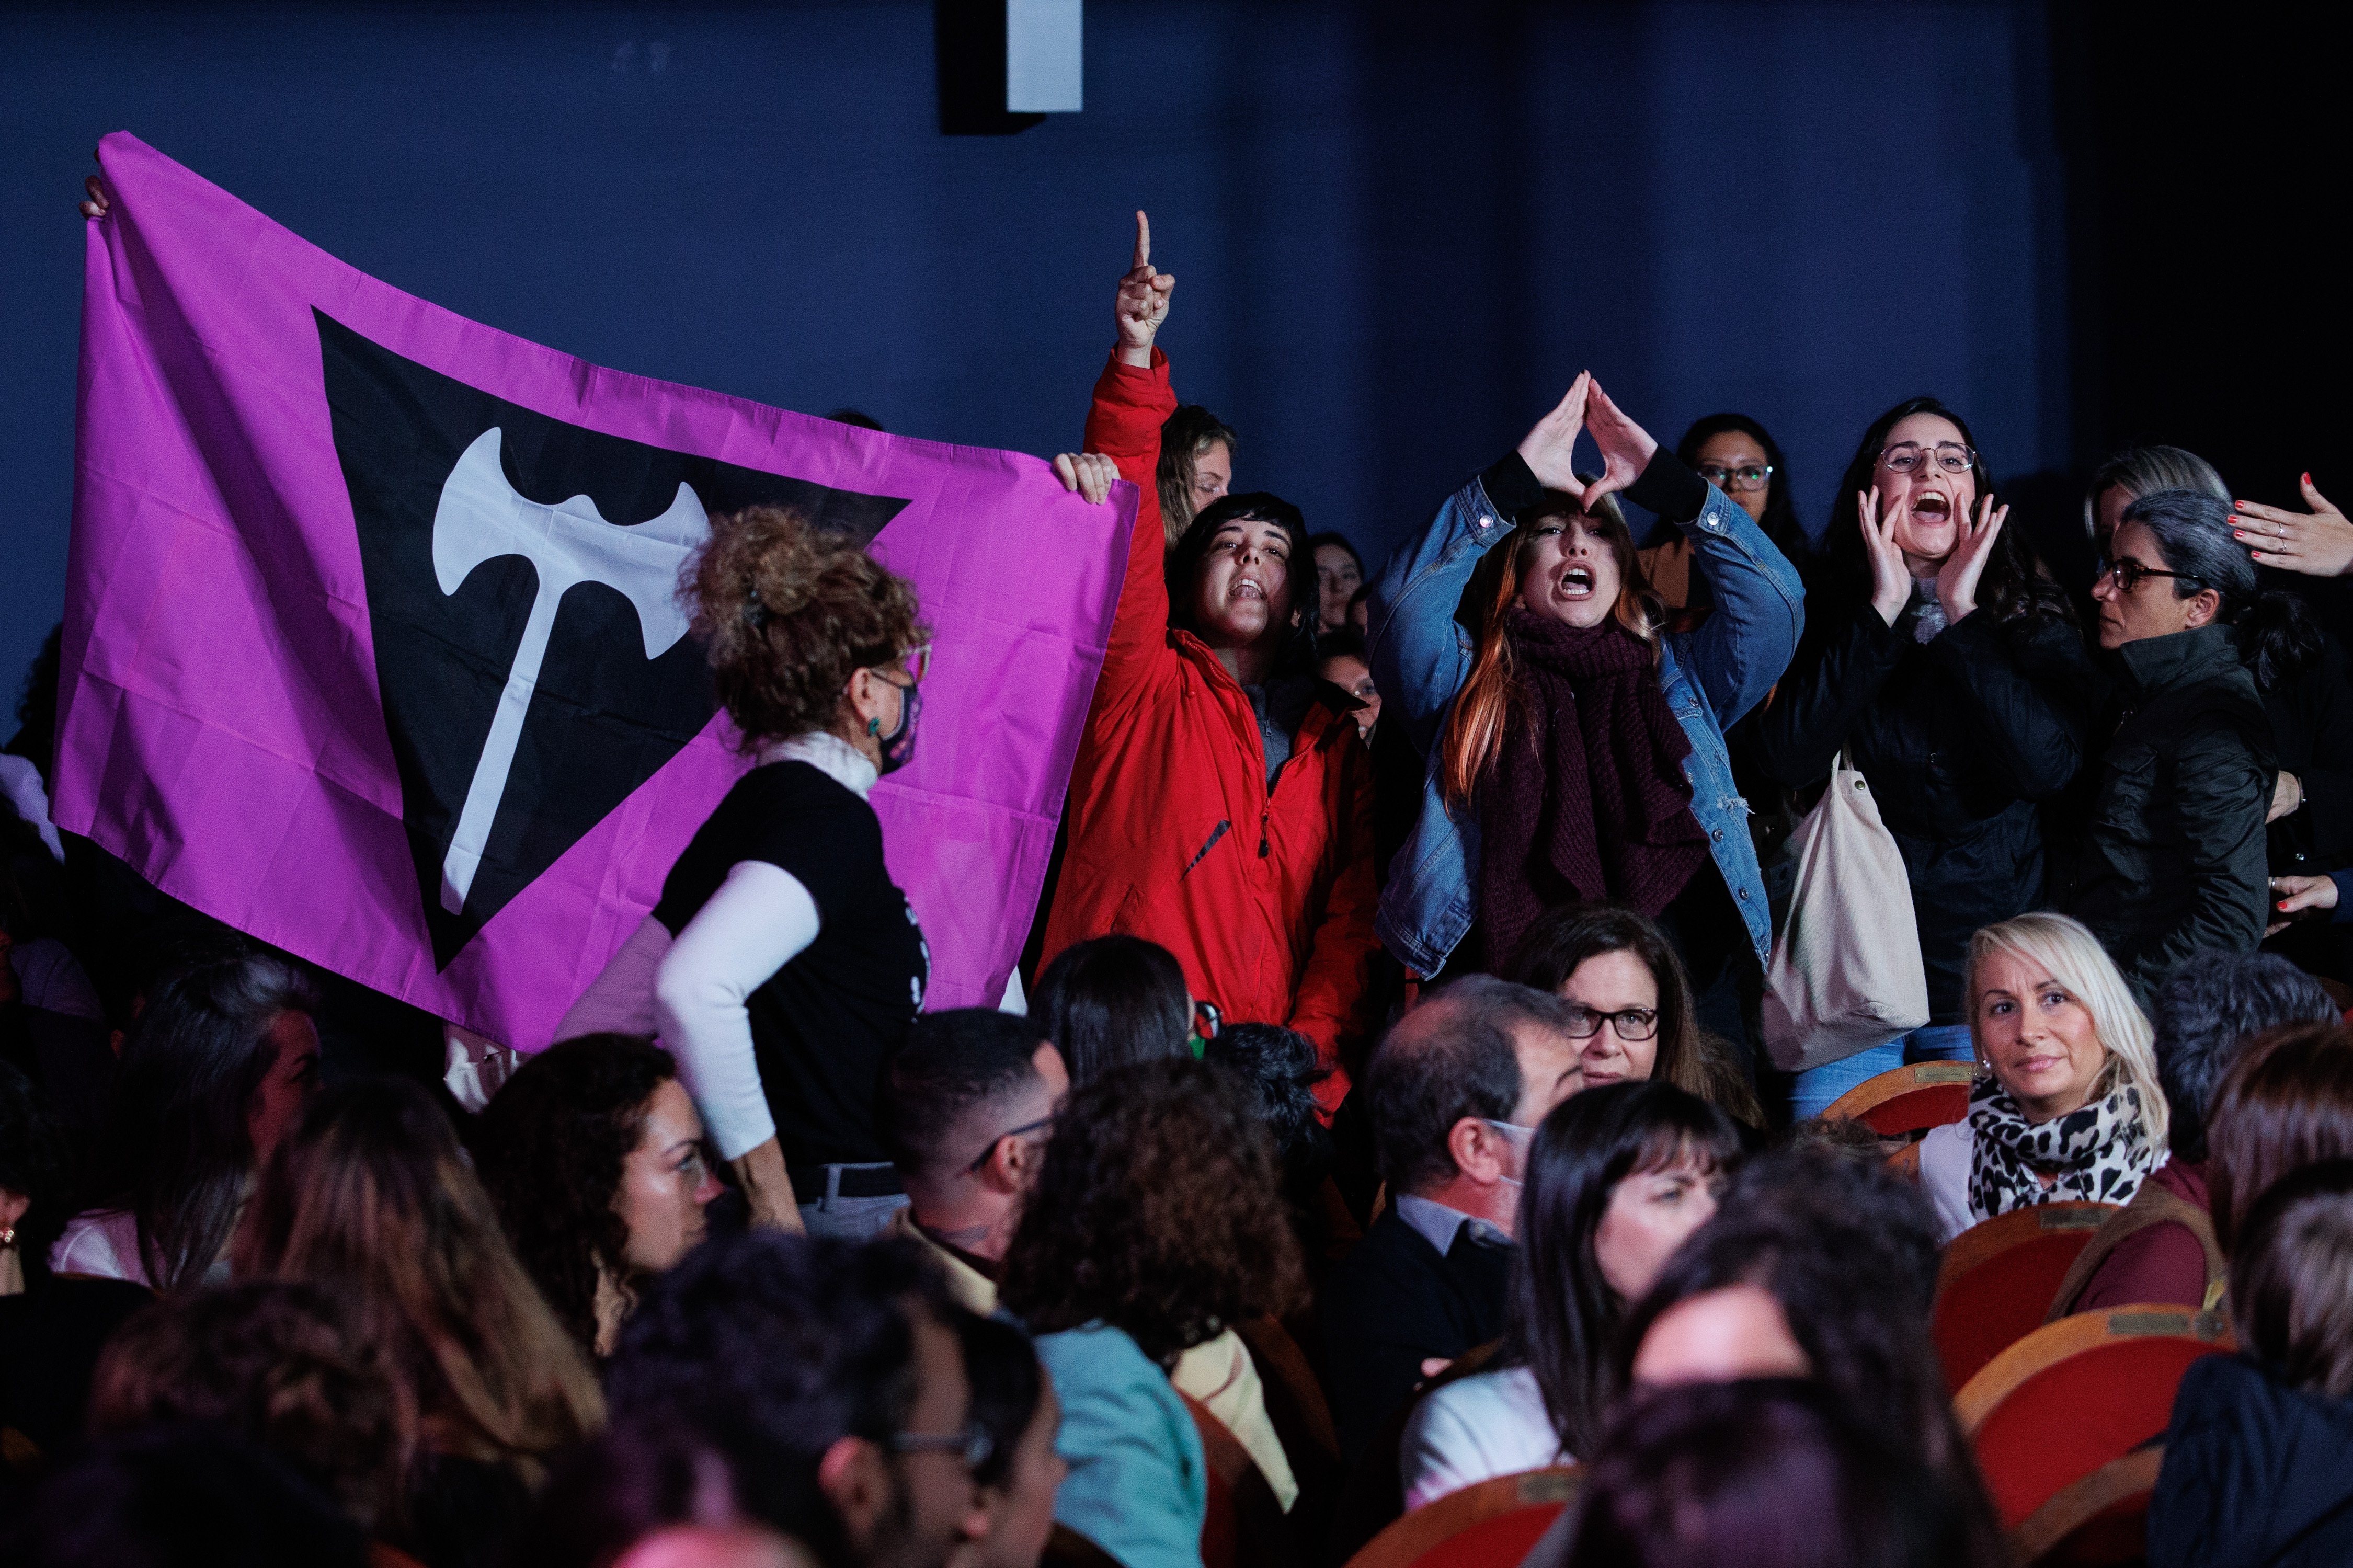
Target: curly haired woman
column 1157, row 1223
column 782, row 965
column 594, row 1154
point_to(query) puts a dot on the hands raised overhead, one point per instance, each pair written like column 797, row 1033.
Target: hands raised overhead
column 1143, row 302
column 1549, row 449
column 2319, row 543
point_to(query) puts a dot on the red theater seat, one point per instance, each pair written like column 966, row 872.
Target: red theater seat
column 2076, row 1395
column 1995, row 1273
column 1491, row 1525
column 1908, row 1099
column 1244, row 1527
column 2100, row 1521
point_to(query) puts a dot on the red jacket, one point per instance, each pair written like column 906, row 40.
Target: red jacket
column 1265, row 897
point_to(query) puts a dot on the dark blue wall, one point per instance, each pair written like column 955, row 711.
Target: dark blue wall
column 1399, row 230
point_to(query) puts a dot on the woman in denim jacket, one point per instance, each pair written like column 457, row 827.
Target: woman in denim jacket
column 1574, row 752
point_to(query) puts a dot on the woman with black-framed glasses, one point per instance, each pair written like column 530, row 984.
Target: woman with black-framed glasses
column 2172, row 853
column 1950, row 672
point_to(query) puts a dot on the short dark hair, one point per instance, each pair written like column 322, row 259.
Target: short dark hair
column 1767, row 1473
column 781, row 1345
column 1185, row 559
column 639, row 1477
column 280, row 1363
column 2285, row 1102
column 2292, row 1278
column 1111, row 1002
column 1449, row 1057
column 1186, row 437
column 1850, row 1252
column 2205, row 1011
column 953, row 1062
column 550, row 1148
column 1563, row 938
column 1001, row 1367
column 1156, row 1211
column 1564, row 1316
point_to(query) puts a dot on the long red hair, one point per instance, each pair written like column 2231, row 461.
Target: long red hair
column 1483, row 708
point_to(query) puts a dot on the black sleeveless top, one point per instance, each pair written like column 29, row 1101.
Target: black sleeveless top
column 824, row 1025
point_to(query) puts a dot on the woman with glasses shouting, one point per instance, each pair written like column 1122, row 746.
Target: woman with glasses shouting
column 781, row 966
column 2171, row 857
column 1951, row 674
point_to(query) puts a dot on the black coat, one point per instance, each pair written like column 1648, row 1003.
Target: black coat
column 2312, row 726
column 2257, row 1475
column 1959, row 738
column 1394, row 1302
column 2171, row 857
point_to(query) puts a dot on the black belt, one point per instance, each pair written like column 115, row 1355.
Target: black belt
column 811, row 1183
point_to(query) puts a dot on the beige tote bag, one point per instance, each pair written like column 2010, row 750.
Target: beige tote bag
column 1846, row 972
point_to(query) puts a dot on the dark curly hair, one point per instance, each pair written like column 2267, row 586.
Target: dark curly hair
column 277, row 1361
column 550, row 1147
column 1159, row 1211
column 789, row 612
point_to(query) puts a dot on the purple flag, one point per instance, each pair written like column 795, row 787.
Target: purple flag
column 372, row 646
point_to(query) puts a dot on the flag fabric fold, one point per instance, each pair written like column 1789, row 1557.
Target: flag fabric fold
column 372, row 644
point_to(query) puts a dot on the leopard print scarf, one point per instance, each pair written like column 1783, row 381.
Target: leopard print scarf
column 2098, row 1155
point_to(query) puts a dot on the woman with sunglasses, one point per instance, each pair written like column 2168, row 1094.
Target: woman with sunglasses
column 781, row 966
column 1951, row 674
column 2171, row 855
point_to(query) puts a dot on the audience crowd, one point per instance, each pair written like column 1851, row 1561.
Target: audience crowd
column 1389, row 1109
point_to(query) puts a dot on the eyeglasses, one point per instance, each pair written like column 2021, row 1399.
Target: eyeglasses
column 972, row 1446
column 1905, row 456
column 1039, row 1125
column 917, row 663
column 1207, row 1019
column 1632, row 1023
column 2126, row 574
column 1747, row 478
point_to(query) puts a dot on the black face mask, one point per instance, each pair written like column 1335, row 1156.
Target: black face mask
column 899, row 745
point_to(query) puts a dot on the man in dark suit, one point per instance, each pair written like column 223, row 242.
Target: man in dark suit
column 1455, row 1091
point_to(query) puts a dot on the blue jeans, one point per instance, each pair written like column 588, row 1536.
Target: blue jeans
column 1811, row 1091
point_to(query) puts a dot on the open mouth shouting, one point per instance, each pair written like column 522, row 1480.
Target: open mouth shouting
column 1933, row 507
column 1576, row 580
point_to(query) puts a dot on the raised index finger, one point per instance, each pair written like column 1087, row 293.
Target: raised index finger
column 1143, row 239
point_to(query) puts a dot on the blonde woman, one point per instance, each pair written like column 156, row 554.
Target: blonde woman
column 2067, row 1108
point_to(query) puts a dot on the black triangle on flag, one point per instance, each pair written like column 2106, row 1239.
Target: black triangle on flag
column 535, row 668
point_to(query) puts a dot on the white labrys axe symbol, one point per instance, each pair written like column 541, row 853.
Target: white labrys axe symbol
column 482, row 517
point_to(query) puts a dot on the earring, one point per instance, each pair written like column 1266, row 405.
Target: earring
column 874, row 726
column 7, row 1235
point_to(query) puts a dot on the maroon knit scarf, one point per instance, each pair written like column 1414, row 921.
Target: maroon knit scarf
column 1587, row 802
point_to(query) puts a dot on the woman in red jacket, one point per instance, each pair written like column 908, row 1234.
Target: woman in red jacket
column 1221, row 804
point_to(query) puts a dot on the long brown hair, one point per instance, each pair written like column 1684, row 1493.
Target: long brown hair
column 371, row 1194
column 1563, row 938
column 1483, row 708
column 2286, row 1103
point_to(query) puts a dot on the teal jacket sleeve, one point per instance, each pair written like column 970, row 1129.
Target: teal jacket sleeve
column 1138, row 1486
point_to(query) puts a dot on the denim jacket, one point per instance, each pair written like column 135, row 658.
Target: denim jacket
column 1421, row 655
